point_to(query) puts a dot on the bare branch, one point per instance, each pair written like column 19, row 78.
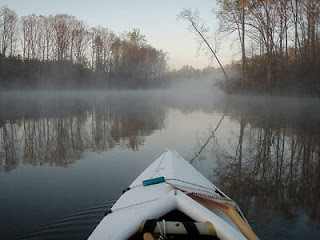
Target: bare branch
column 198, row 26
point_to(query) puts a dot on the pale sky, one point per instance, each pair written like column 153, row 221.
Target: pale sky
column 156, row 19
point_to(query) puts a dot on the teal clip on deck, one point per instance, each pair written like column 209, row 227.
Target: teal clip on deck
column 153, row 181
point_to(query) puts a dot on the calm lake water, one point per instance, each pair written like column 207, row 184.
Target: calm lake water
column 65, row 157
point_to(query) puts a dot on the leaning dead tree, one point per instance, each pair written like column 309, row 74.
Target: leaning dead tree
column 197, row 26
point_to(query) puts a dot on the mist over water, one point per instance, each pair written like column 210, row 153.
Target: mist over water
column 65, row 151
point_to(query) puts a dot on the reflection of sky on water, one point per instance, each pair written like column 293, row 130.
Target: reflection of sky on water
column 121, row 133
column 42, row 193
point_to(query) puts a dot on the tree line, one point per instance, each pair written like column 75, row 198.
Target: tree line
column 279, row 41
column 62, row 50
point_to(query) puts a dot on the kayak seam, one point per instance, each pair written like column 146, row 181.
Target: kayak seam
column 203, row 193
column 209, row 196
column 183, row 181
column 200, row 191
column 157, row 169
column 135, row 204
column 190, row 183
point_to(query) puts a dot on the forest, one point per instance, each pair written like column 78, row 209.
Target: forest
column 61, row 51
column 279, row 51
column 279, row 44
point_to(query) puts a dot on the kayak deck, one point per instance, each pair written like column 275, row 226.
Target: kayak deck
column 168, row 186
column 178, row 216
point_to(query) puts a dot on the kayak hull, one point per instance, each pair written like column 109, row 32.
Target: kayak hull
column 180, row 182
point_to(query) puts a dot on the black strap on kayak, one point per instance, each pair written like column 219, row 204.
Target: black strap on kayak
column 107, row 212
column 191, row 228
column 126, row 190
column 149, row 226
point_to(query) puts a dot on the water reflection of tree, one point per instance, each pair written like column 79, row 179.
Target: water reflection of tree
column 125, row 125
column 277, row 162
column 58, row 138
column 57, row 141
column 8, row 153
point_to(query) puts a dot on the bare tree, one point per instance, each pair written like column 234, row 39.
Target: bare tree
column 263, row 20
column 81, row 38
column 30, row 36
column 232, row 18
column 8, row 24
column 282, row 10
column 62, row 34
column 103, row 39
column 197, row 25
column 48, row 28
column 115, row 59
column 109, row 38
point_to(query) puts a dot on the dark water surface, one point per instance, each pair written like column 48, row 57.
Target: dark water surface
column 66, row 156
